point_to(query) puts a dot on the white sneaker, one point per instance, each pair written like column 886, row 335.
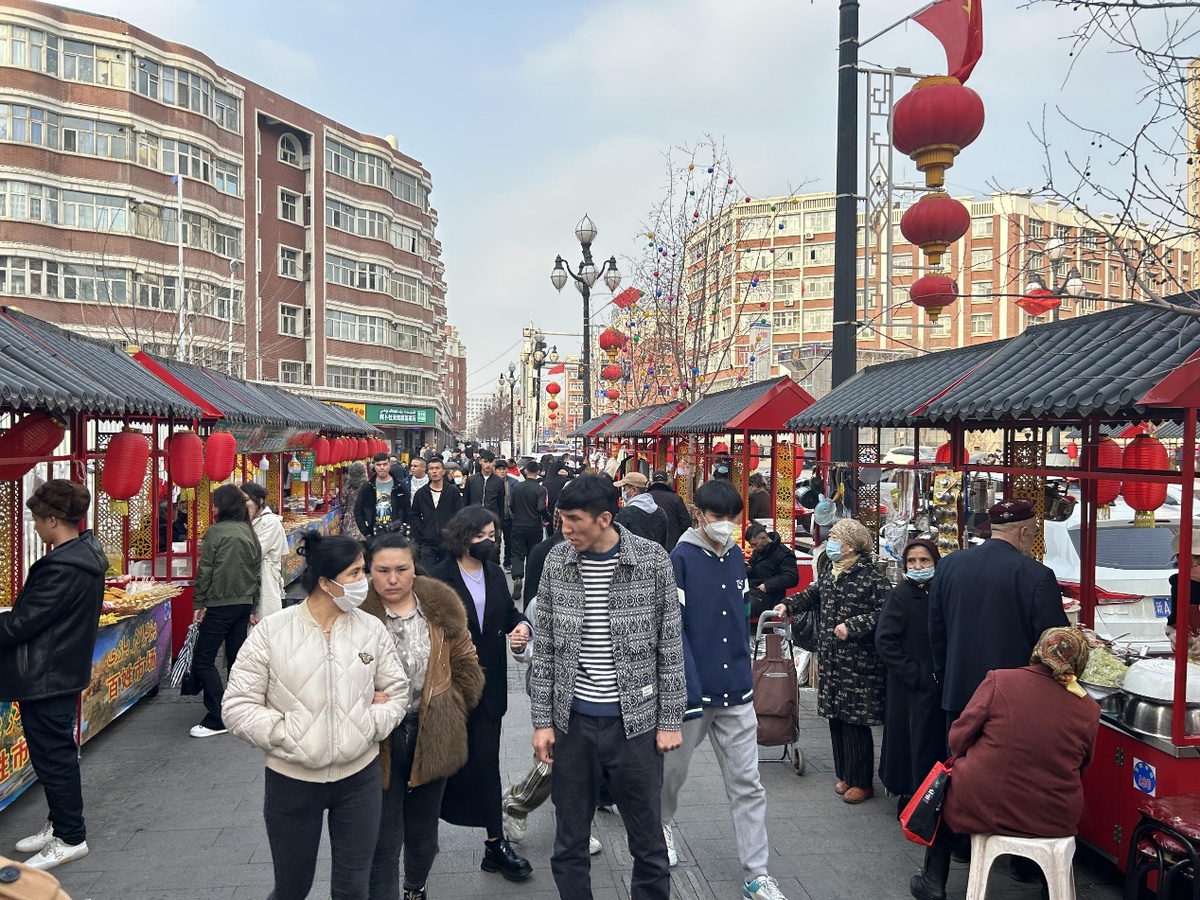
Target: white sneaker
column 202, row 731
column 611, row 809
column 762, row 888
column 514, row 828
column 594, row 845
column 672, row 856
column 36, row 842
column 55, row 853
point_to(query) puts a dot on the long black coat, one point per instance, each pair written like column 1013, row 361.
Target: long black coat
column 679, row 517
column 775, row 569
column 914, row 727
column 853, row 677
column 426, row 521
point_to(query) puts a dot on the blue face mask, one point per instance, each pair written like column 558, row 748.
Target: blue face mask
column 919, row 576
column 833, row 550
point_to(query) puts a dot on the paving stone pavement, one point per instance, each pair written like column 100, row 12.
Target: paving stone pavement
column 175, row 818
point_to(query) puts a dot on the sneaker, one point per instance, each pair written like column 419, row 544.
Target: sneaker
column 415, row 894
column 762, row 888
column 36, row 842
column 594, row 845
column 514, row 827
column 669, row 837
column 202, row 731
column 55, row 853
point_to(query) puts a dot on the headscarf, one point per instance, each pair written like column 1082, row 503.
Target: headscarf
column 1064, row 651
column 855, row 541
column 920, row 542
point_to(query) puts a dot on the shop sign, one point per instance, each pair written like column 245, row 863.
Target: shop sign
column 1145, row 777
column 401, row 415
column 359, row 409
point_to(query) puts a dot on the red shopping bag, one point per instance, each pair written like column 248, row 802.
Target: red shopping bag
column 923, row 813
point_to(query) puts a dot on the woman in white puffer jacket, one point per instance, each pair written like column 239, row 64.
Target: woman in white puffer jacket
column 272, row 540
column 317, row 687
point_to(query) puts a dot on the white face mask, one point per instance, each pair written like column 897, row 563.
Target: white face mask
column 353, row 595
column 720, row 532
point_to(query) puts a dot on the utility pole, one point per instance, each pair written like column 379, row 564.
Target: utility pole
column 845, row 250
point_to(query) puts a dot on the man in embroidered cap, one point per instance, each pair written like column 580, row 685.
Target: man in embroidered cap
column 989, row 605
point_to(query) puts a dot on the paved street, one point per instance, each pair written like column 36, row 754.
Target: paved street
column 173, row 818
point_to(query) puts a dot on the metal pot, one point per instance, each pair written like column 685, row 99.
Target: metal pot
column 1154, row 718
column 1111, row 699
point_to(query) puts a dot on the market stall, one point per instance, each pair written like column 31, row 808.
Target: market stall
column 587, row 431
column 642, row 434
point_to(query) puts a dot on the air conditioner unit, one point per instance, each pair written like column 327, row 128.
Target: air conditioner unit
column 789, row 302
column 808, row 235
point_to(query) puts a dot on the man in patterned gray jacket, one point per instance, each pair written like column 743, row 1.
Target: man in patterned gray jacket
column 608, row 688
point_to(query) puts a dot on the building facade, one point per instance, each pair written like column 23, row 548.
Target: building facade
column 455, row 388
column 151, row 196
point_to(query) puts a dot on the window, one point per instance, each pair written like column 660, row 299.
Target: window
column 941, row 328
column 817, row 287
column 1063, row 232
column 1114, row 274
column 31, row 202
column 1037, row 228
column 981, row 292
column 289, row 262
column 95, row 211
column 227, row 111
column 902, row 262
column 339, row 159
column 289, row 150
column 901, row 328
column 981, row 259
column 755, row 229
column 153, row 291
column 363, row 222
column 1091, row 270
column 819, row 222
column 291, row 372
column 95, row 284
column 817, row 320
column 1037, row 260
column 289, row 206
column 784, row 289
column 818, row 254
column 148, row 77
column 785, row 321
column 228, row 241
column 1090, row 239
column 981, row 227
column 981, row 323
column 289, row 320
column 227, row 177
column 93, row 65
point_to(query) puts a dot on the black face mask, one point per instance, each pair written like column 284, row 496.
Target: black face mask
column 482, row 550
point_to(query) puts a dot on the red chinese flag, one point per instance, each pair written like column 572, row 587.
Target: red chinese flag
column 559, row 369
column 958, row 24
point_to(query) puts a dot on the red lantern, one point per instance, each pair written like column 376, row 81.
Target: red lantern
column 346, row 451
column 553, row 416
column 185, row 451
column 364, row 449
column 943, row 454
column 1039, row 301
column 124, row 470
column 552, row 405
column 1108, row 456
column 553, row 388
column 935, row 222
column 611, row 342
column 1145, row 453
column 321, row 452
column 933, row 122
column 611, row 372
column 612, row 393
column 36, row 435
column 933, row 292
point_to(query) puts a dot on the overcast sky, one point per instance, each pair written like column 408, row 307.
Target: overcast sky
column 530, row 113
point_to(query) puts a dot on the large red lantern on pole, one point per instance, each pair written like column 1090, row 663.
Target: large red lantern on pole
column 185, row 451
column 33, row 437
column 612, row 372
column 611, row 341
column 933, row 122
column 1108, row 456
column 552, row 405
column 1145, row 453
column 553, row 388
column 612, row 393
column 933, row 293
column 935, row 222
column 220, row 455
column 124, row 470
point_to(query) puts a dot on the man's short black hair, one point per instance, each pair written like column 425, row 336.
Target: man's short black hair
column 532, row 467
column 380, row 457
column 594, row 494
column 719, row 497
column 487, row 456
column 502, row 463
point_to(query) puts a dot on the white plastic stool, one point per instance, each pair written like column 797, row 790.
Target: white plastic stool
column 1054, row 855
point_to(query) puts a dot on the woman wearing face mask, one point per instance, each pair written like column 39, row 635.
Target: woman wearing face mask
column 914, row 730
column 847, row 597
column 473, row 794
column 316, row 687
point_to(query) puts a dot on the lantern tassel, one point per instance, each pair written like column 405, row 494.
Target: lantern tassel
column 1143, row 518
column 186, row 495
column 119, row 508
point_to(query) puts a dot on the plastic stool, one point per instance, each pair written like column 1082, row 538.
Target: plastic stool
column 1054, row 855
column 1166, row 840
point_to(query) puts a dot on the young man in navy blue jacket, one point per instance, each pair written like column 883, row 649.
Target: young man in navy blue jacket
column 710, row 572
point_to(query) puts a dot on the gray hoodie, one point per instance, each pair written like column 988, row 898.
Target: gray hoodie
column 644, row 502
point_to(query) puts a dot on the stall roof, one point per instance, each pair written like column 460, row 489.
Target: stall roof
column 592, row 425
column 1101, row 364
column 763, row 406
column 885, row 395
column 618, row 424
column 44, row 366
column 652, row 420
column 1168, row 431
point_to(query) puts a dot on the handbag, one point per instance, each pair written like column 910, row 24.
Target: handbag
column 923, row 814
column 804, row 629
column 181, row 673
column 190, row 685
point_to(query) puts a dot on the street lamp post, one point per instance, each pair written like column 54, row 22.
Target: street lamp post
column 511, row 381
column 1070, row 286
column 234, row 265
column 537, row 359
column 584, row 278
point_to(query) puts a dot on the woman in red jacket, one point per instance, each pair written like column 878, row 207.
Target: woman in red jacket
column 1017, row 755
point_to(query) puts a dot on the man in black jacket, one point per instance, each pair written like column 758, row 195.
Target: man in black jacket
column 530, row 516
column 46, row 647
column 641, row 514
column 487, row 489
column 679, row 518
column 432, row 508
column 772, row 569
column 557, row 476
column 382, row 503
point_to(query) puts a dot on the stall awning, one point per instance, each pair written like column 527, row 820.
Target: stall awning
column 591, row 426
column 652, row 420
column 616, row 426
column 1168, row 431
column 763, row 406
column 885, row 395
column 44, row 366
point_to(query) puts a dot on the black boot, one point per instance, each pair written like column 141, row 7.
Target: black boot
column 415, row 894
column 498, row 856
column 930, row 884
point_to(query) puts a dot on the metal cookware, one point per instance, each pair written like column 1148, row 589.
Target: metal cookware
column 1154, row 718
column 1111, row 699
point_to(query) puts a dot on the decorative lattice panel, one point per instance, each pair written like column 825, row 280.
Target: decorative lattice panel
column 10, row 522
column 141, row 524
column 684, row 461
column 110, row 527
column 867, row 507
column 275, row 478
column 660, row 462
column 1031, row 455
column 198, row 524
column 784, row 467
column 737, row 471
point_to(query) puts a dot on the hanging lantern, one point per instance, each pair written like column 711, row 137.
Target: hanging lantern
column 1108, row 456
column 552, row 405
column 935, row 222
column 611, row 342
column 933, row 293
column 612, row 372
column 553, row 416
column 220, row 456
column 943, row 454
column 124, row 470
column 364, row 450
column 553, row 388
column 264, row 462
column 36, row 435
column 321, row 452
column 185, row 452
column 933, row 122
column 1144, row 453
column 612, row 393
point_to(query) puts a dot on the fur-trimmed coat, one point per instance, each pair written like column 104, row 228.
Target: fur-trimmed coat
column 453, row 684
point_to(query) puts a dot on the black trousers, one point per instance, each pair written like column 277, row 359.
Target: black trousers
column 430, row 555
column 506, row 530
column 50, row 735
column 294, row 812
column 221, row 625
column 853, row 753
column 523, row 539
column 596, row 748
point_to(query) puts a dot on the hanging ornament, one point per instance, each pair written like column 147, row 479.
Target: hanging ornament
column 35, row 436
column 185, row 454
column 1145, row 453
column 710, row 169
column 124, row 470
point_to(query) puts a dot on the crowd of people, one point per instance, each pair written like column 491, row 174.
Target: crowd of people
column 378, row 699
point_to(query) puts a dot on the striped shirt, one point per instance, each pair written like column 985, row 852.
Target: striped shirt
column 596, row 680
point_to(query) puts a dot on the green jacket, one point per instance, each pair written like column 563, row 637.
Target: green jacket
column 229, row 572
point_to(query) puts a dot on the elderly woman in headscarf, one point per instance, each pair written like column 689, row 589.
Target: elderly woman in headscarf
column 1017, row 755
column 356, row 477
column 847, row 598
